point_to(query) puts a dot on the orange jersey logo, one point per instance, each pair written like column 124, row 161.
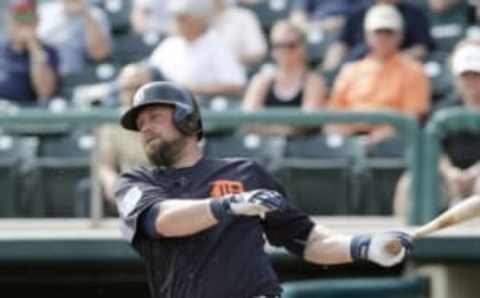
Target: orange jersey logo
column 225, row 187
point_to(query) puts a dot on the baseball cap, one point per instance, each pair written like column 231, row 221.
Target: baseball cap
column 466, row 58
column 383, row 16
column 22, row 10
column 191, row 7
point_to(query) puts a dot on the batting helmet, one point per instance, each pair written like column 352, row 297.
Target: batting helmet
column 186, row 116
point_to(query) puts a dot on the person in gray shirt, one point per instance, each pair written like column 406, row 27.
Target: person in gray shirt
column 80, row 32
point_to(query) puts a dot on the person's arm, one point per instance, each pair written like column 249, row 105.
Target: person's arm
column 178, row 218
column 417, row 52
column 42, row 75
column 256, row 92
column 216, row 89
column 104, row 163
column 98, row 43
column 328, row 247
column 315, row 92
column 334, row 56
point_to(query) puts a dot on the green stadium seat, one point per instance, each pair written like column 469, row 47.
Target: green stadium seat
column 62, row 163
column 10, row 159
column 381, row 180
column 265, row 150
column 317, row 186
column 362, row 287
column 133, row 47
column 118, row 13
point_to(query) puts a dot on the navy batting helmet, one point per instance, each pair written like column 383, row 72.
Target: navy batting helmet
column 186, row 116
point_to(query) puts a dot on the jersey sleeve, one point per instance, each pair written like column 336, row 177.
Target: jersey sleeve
column 289, row 228
column 134, row 195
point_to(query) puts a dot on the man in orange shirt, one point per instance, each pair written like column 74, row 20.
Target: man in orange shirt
column 384, row 80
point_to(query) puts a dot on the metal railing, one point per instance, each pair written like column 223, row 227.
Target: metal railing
column 441, row 124
column 407, row 126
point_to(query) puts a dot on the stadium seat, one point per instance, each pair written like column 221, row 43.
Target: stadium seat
column 10, row 159
column 317, row 186
column 361, row 287
column 92, row 74
column 118, row 13
column 316, row 174
column 62, row 163
column 441, row 79
column 265, row 150
column 381, row 178
column 133, row 47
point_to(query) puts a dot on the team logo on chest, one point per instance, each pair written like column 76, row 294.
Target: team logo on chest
column 225, row 187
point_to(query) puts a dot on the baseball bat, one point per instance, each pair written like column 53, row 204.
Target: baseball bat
column 463, row 211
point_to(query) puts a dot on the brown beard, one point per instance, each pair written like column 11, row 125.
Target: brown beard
column 165, row 154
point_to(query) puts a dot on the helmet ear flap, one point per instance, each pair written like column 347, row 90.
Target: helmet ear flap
column 187, row 117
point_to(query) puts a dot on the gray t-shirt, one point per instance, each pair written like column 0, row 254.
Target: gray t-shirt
column 68, row 34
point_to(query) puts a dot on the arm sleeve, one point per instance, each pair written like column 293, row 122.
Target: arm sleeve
column 134, row 196
column 289, row 228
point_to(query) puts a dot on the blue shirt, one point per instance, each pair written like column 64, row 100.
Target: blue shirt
column 416, row 29
column 325, row 8
column 226, row 260
column 15, row 82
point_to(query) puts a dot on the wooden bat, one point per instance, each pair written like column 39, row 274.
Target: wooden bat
column 463, row 211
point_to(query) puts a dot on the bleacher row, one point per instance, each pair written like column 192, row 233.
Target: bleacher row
column 447, row 29
column 41, row 175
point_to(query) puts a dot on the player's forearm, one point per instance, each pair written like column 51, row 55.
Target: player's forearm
column 327, row 247
column 179, row 218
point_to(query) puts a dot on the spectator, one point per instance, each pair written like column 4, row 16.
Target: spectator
column 80, row 31
column 460, row 163
column 116, row 152
column 352, row 45
column 240, row 30
column 196, row 57
column 384, row 80
column 28, row 72
column 291, row 83
column 150, row 16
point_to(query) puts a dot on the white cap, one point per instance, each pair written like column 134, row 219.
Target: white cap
column 191, row 7
column 466, row 58
column 383, row 16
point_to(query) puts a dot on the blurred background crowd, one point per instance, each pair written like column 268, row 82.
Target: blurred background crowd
column 412, row 57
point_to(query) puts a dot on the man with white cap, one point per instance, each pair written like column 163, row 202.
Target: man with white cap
column 384, row 80
column 196, row 57
column 352, row 45
column 460, row 163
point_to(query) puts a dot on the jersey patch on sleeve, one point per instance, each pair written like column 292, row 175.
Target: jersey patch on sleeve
column 129, row 201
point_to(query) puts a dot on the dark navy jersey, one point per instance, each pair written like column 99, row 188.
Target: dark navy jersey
column 226, row 260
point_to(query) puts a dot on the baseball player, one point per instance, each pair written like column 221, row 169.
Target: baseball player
column 199, row 223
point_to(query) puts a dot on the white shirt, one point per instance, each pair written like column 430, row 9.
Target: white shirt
column 205, row 61
column 240, row 30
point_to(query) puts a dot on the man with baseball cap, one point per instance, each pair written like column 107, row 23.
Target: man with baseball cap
column 384, row 80
column 460, row 163
column 352, row 44
column 29, row 68
column 200, row 223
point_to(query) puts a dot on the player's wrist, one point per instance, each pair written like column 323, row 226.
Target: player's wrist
column 359, row 247
column 220, row 208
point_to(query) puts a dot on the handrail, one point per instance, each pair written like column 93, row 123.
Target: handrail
column 441, row 124
column 213, row 120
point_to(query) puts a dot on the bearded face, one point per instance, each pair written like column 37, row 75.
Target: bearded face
column 162, row 142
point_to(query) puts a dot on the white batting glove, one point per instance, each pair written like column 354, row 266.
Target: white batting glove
column 253, row 203
column 375, row 248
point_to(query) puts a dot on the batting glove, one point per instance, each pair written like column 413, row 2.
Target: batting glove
column 253, row 203
column 375, row 247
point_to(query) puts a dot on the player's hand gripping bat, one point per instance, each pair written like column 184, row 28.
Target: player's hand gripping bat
column 466, row 210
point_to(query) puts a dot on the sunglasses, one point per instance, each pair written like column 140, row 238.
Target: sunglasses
column 290, row 45
column 385, row 31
